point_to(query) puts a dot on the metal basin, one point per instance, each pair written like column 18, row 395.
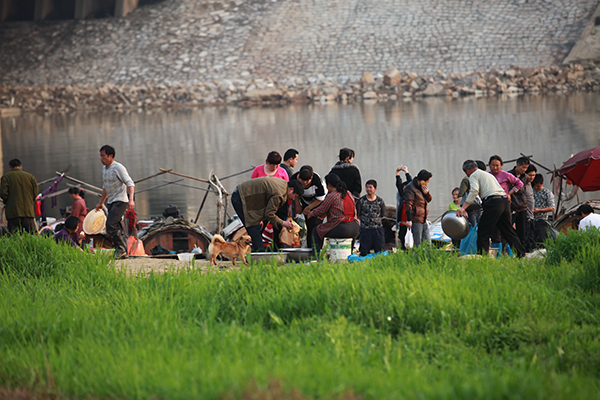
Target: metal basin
column 454, row 226
column 298, row 255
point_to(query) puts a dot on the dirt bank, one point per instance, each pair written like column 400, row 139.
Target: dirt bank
column 390, row 86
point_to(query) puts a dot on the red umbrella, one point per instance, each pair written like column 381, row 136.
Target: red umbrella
column 583, row 169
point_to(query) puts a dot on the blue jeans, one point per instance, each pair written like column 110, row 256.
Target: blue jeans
column 420, row 233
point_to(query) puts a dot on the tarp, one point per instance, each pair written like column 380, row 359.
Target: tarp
column 583, row 169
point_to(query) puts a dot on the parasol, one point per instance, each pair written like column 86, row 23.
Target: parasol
column 583, row 169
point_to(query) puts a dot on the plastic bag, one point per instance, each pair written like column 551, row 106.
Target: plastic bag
column 301, row 221
column 468, row 245
column 135, row 247
column 290, row 237
column 409, row 241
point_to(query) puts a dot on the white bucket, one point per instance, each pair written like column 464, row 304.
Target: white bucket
column 185, row 256
column 339, row 249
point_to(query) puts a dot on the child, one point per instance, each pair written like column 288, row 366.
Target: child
column 66, row 233
column 370, row 210
column 455, row 205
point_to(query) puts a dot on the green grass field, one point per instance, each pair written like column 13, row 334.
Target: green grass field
column 418, row 325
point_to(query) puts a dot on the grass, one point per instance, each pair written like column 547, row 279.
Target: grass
column 418, row 325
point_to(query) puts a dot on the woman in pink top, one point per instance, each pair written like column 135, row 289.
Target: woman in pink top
column 508, row 181
column 271, row 168
column 78, row 209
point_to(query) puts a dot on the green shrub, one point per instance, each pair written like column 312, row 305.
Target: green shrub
column 571, row 246
column 582, row 247
column 32, row 256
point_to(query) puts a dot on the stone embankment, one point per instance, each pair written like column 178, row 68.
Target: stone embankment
column 391, row 86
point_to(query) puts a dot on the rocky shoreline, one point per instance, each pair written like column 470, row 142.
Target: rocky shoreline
column 391, row 86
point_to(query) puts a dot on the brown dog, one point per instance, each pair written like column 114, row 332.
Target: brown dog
column 231, row 250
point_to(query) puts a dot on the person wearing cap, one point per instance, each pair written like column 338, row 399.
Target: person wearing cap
column 18, row 190
column 259, row 199
column 496, row 209
column 588, row 219
column 117, row 191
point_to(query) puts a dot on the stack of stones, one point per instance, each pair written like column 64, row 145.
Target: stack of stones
column 391, row 86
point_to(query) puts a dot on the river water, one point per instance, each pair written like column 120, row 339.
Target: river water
column 436, row 134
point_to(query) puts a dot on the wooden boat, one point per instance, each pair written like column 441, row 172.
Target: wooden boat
column 178, row 235
column 569, row 219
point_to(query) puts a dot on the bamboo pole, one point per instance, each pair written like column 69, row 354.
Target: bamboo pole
column 222, row 202
column 50, row 195
column 536, row 163
column 201, row 205
column 46, row 181
column 65, row 172
column 157, row 186
column 513, row 160
column 183, row 175
column 237, row 173
column 556, row 210
column 225, row 211
column 219, row 201
column 218, row 182
column 87, row 190
column 188, row 186
column 81, row 182
column 151, row 176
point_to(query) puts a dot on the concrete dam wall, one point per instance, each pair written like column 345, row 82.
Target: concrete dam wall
column 192, row 41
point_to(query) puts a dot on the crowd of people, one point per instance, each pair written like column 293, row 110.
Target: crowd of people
column 510, row 207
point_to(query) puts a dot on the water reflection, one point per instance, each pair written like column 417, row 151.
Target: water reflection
column 435, row 134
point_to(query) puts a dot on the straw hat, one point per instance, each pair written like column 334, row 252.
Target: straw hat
column 94, row 222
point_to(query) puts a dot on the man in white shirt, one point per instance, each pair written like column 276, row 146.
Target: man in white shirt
column 496, row 209
column 588, row 218
column 117, row 191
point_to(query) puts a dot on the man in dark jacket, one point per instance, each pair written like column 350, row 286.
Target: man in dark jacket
column 259, row 199
column 518, row 203
column 348, row 172
column 417, row 198
column 18, row 190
